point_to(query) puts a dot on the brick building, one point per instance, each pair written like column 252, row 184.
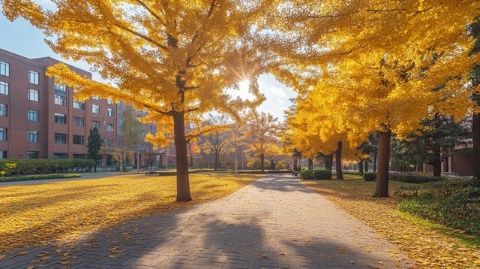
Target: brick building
column 40, row 118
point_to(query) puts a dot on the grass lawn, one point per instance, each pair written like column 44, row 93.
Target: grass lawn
column 430, row 245
column 35, row 214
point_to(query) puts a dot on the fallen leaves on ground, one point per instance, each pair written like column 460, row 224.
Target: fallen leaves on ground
column 36, row 214
column 429, row 245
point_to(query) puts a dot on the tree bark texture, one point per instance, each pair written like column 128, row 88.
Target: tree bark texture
column 381, row 189
column 183, row 184
column 338, row 160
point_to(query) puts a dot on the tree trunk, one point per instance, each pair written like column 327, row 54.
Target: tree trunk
column 338, row 160
column 437, row 161
column 360, row 167
column 262, row 162
column 384, row 138
column 183, row 184
column 215, row 167
column 138, row 162
column 272, row 165
column 310, row 164
column 328, row 161
column 295, row 163
column 374, row 162
column 366, row 166
column 476, row 147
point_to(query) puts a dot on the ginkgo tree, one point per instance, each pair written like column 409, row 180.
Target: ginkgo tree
column 325, row 134
column 174, row 59
column 390, row 64
column 261, row 135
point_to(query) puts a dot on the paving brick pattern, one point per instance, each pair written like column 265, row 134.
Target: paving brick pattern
column 276, row 222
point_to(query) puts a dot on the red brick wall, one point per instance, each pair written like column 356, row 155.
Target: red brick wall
column 18, row 125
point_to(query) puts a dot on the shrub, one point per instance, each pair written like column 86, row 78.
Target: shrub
column 38, row 177
column 322, row 174
column 452, row 202
column 315, row 174
column 306, row 174
column 44, row 166
column 414, row 178
column 370, row 176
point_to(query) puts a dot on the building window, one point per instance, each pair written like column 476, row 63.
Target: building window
column 33, row 77
column 110, row 112
column 33, row 115
column 79, row 140
column 79, row 105
column 60, row 155
column 60, row 100
column 33, row 95
column 4, row 69
column 108, row 143
column 3, row 110
column 60, row 89
column 33, row 154
column 79, row 156
column 60, row 118
column 32, row 137
column 3, row 154
column 109, row 127
column 79, row 121
column 3, row 134
column 109, row 101
column 3, row 88
column 60, row 138
column 95, row 109
column 96, row 124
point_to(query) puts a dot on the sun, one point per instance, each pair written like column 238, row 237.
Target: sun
column 244, row 86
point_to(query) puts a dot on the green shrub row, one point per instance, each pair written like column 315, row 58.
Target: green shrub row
column 404, row 178
column 452, row 202
column 38, row 177
column 44, row 166
column 415, row 178
column 370, row 176
column 316, row 174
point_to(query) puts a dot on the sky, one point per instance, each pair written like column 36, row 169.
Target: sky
column 22, row 38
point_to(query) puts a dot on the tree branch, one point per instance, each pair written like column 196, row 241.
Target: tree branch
column 142, row 36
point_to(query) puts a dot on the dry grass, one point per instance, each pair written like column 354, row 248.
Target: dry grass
column 35, row 214
column 429, row 245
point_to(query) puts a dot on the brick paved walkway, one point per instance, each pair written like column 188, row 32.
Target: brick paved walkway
column 275, row 222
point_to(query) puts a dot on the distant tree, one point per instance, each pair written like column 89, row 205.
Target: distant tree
column 193, row 149
column 425, row 146
column 131, row 135
column 261, row 135
column 217, row 140
column 94, row 145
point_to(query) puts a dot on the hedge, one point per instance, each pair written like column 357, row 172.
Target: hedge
column 405, row 178
column 452, row 202
column 44, row 166
column 39, row 177
column 414, row 178
column 369, row 176
column 316, row 174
